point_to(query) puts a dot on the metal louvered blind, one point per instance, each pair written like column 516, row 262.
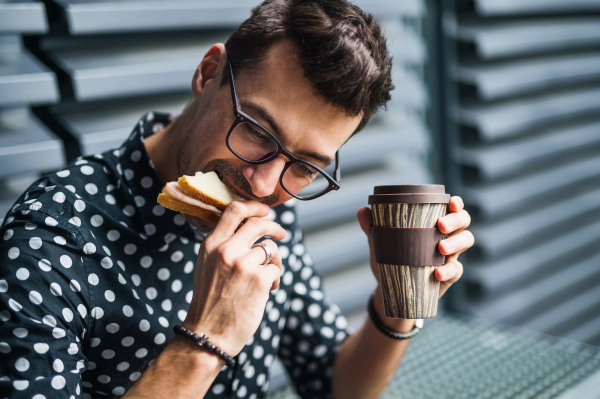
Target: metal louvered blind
column 521, row 109
column 106, row 62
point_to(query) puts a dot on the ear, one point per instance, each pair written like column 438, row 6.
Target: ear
column 209, row 70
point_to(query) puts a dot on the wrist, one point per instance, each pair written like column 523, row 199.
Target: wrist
column 400, row 325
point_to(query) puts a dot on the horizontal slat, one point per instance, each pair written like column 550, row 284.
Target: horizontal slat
column 495, row 276
column 503, row 39
column 490, row 8
column 495, row 199
column 23, row 16
column 494, row 161
column 25, row 80
column 548, row 287
column 110, row 70
column 504, row 79
column 586, row 332
column 510, row 118
column 404, row 45
column 344, row 203
column 350, row 289
column 502, row 236
column 93, row 17
column 558, row 316
column 337, row 247
column 27, row 145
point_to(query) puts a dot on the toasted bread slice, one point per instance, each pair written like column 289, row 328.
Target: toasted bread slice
column 182, row 207
column 208, row 188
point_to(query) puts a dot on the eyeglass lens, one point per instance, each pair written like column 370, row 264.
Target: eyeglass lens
column 254, row 144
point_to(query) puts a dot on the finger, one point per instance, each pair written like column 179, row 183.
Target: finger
column 364, row 220
column 272, row 275
column 256, row 228
column 233, row 215
column 450, row 272
column 456, row 204
column 258, row 255
column 457, row 244
column 454, row 221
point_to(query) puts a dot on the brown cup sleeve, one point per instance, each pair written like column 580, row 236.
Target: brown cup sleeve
column 407, row 246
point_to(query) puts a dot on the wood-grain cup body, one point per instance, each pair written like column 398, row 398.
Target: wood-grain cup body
column 409, row 292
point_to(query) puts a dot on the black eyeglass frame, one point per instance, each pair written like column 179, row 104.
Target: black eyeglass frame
column 241, row 117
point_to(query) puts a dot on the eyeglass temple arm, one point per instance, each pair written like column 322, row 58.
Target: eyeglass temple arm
column 337, row 172
column 234, row 94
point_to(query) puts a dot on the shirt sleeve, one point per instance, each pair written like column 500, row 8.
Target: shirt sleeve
column 43, row 304
column 314, row 330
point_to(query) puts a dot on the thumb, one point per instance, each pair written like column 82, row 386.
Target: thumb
column 364, row 219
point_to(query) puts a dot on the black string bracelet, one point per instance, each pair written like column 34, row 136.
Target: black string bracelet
column 202, row 340
column 381, row 327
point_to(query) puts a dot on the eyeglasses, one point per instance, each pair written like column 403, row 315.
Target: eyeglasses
column 252, row 142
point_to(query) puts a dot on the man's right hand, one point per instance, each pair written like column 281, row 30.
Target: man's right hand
column 230, row 289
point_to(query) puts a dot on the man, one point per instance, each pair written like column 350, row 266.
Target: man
column 94, row 274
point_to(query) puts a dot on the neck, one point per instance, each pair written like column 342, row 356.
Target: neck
column 162, row 147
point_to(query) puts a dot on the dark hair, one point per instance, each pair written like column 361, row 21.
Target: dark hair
column 340, row 47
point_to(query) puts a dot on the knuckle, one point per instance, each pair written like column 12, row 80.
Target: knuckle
column 236, row 208
column 254, row 222
column 224, row 254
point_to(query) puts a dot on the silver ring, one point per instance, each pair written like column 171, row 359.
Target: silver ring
column 267, row 252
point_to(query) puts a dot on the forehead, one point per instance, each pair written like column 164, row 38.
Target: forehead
column 305, row 118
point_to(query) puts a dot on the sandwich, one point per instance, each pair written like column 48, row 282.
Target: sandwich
column 203, row 195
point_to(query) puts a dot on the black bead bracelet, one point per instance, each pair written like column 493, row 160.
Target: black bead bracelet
column 381, row 327
column 202, row 340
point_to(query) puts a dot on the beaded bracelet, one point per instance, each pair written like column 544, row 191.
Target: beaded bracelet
column 202, row 340
column 381, row 327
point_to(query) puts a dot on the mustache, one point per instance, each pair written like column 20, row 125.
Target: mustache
column 226, row 168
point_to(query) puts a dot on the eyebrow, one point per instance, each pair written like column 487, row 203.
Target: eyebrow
column 260, row 111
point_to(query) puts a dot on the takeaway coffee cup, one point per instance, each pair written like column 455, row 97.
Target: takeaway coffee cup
column 405, row 239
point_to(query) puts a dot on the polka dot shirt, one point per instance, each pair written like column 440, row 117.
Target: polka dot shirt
column 94, row 274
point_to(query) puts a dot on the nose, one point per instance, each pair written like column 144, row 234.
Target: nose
column 263, row 178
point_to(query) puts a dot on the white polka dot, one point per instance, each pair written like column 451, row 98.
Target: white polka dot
column 176, row 256
column 89, row 248
column 14, row 305
column 70, row 188
column 97, row 220
column 35, row 297
column 22, row 364
column 274, row 314
column 265, row 333
column 130, row 249
column 189, row 267
column 314, row 310
column 63, row 173
column 151, row 293
column 13, row 253
column 127, row 341
column 179, row 219
column 109, row 295
column 188, row 296
column 327, row 332
column 106, row 262
column 97, row 312
column 128, row 174
column 112, row 328
column 146, row 182
column 122, row 279
column 4, row 347
column 144, row 325
column 9, row 233
column 30, row 226
column 128, row 210
column 122, row 366
column 41, row 347
column 260, row 380
column 20, row 385
column 58, row 382
column 75, row 221
column 104, row 379
column 242, row 391
column 55, row 289
column 22, row 274
column 127, row 311
column 108, row 354
column 82, row 310
column 218, row 389
column 163, row 322
column 287, row 217
column 163, row 274
column 73, row 349
column 297, row 305
column 288, row 278
column 49, row 321
column 328, row 317
column 181, row 314
column 60, row 240
column 158, row 210
column 110, row 199
column 118, row 391
column 300, row 288
column 141, row 353
column 139, row 201
column 166, row 305
column 45, row 265
column 93, row 279
column 58, row 332
column 3, row 285
column 137, row 280
column 80, row 205
column 58, row 365
column 146, row 261
column 66, row 261
column 176, row 286
column 87, row 170
column 258, row 352
column 341, row 322
column 4, row 315
column 113, row 235
column 75, row 286
column 307, row 329
column 67, row 314
column 59, row 197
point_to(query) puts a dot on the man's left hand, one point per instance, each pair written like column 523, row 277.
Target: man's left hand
column 458, row 241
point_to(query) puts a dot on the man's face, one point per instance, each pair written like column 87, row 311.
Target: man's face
column 279, row 96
